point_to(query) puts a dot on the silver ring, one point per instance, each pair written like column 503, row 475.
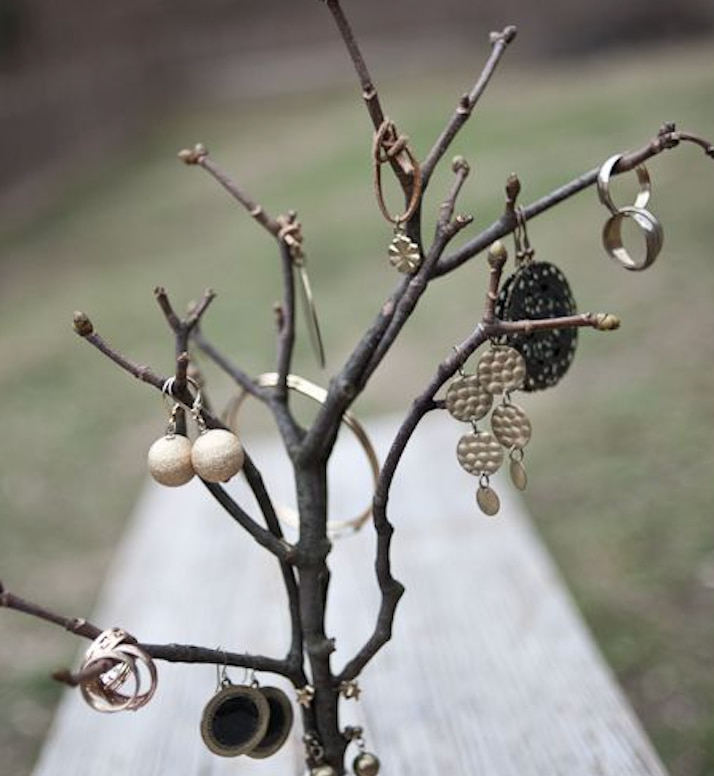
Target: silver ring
column 612, row 237
column 603, row 184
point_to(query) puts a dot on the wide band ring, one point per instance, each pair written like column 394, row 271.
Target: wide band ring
column 103, row 692
column 289, row 515
column 100, row 693
column 612, row 237
column 603, row 184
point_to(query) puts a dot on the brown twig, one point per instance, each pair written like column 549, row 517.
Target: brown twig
column 598, row 321
column 667, row 138
column 499, row 43
column 401, row 163
column 199, row 156
column 174, row 653
column 390, row 588
column 461, row 169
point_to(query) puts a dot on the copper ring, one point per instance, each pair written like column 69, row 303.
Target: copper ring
column 612, row 237
column 289, row 515
column 603, row 184
column 103, row 692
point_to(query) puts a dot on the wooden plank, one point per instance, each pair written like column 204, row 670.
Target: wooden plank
column 491, row 670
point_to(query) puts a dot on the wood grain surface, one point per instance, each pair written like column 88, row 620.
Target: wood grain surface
column 491, row 671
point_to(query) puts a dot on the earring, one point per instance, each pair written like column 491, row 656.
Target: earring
column 365, row 763
column 648, row 223
column 404, row 253
column 235, row 720
column 469, row 398
column 280, row 720
column 538, row 289
column 169, row 458
column 217, row 454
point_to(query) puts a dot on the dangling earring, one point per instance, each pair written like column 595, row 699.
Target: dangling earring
column 169, row 458
column 235, row 720
column 217, row 454
column 469, row 398
column 404, row 253
column 365, row 763
column 280, row 720
column 537, row 290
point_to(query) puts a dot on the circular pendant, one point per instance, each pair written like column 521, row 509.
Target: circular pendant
column 217, row 455
column 169, row 460
column 501, row 370
column 511, row 426
column 235, row 720
column 539, row 290
column 479, row 453
column 487, row 500
column 279, row 723
column 466, row 400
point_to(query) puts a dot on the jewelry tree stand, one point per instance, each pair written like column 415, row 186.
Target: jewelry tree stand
column 529, row 323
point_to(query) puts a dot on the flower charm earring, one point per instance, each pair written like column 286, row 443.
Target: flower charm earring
column 404, row 253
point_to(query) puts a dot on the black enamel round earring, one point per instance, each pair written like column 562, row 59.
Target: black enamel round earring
column 235, row 720
column 538, row 289
column 280, row 721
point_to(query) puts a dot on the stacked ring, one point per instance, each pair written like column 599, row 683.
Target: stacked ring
column 103, row 692
column 300, row 385
column 648, row 223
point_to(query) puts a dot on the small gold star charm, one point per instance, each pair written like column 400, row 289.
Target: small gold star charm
column 404, row 253
column 351, row 690
column 305, row 695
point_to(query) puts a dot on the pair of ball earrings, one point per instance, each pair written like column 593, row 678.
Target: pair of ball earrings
column 215, row 456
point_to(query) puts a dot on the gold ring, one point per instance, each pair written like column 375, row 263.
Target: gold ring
column 612, row 237
column 103, row 692
column 603, row 184
column 300, row 385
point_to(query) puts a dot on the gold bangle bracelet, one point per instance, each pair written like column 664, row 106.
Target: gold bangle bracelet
column 300, row 385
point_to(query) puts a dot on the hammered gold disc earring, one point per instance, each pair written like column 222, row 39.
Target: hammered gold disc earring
column 469, row 398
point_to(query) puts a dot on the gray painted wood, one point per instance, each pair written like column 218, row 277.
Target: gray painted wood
column 491, row 670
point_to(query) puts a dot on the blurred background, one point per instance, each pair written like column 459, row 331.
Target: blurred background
column 95, row 211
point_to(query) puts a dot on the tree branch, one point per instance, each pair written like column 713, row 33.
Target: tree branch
column 499, row 43
column 390, row 588
column 199, row 156
column 286, row 328
column 174, row 653
column 401, row 163
column 668, row 137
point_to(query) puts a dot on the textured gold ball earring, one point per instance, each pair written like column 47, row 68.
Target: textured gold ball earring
column 169, row 458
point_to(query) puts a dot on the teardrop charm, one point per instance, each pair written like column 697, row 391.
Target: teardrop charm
column 487, row 500
column 519, row 478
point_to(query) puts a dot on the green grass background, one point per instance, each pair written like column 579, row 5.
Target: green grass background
column 620, row 464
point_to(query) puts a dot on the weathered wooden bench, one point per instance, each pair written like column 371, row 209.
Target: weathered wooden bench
column 491, row 670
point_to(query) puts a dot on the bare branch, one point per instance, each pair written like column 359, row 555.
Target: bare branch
column 199, row 156
column 84, row 327
column 667, row 138
column 401, row 163
column 461, row 170
column 598, row 321
column 499, row 42
column 286, row 332
column 390, row 588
